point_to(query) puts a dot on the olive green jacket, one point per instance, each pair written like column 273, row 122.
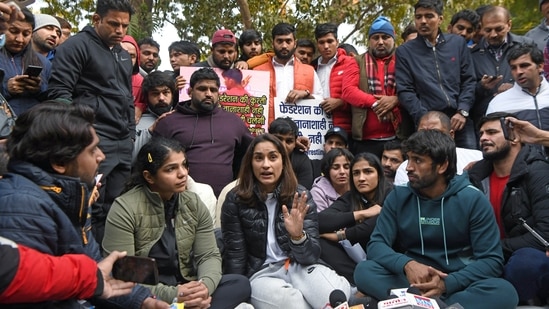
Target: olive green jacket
column 136, row 222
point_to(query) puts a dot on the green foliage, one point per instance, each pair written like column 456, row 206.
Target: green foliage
column 198, row 20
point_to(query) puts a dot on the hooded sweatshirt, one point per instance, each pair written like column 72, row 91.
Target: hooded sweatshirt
column 455, row 233
column 211, row 141
column 137, row 79
column 87, row 71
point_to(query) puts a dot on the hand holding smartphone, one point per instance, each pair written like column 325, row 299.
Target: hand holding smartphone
column 33, row 70
column 138, row 269
column 507, row 128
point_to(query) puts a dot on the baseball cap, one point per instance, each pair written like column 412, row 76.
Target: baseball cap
column 336, row 131
column 223, row 36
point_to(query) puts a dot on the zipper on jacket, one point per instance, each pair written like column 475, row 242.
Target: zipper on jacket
column 52, row 188
column 83, row 205
column 440, row 77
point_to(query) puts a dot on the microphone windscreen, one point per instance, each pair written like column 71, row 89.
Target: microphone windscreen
column 413, row 290
column 337, row 297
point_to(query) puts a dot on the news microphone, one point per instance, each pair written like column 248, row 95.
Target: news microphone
column 403, row 299
column 338, row 300
column 414, row 290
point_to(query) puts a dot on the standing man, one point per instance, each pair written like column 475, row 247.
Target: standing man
column 66, row 29
column 214, row 139
column 540, row 33
column 46, row 35
column 223, row 51
column 290, row 79
column 465, row 23
column 330, row 67
column 369, row 86
column 149, row 60
column 435, row 72
column 444, row 230
column 305, row 51
column 528, row 98
column 94, row 70
column 490, row 58
column 515, row 178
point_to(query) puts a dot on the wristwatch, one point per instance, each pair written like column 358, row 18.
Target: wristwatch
column 463, row 113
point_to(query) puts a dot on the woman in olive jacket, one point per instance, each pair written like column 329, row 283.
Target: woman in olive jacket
column 159, row 218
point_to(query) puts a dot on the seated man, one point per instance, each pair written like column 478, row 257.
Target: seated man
column 514, row 177
column 391, row 158
column 444, row 230
column 435, row 120
column 54, row 157
column 286, row 130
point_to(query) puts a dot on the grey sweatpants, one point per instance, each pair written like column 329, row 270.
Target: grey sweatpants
column 298, row 287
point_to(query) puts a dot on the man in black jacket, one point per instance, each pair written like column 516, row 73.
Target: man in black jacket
column 515, row 178
column 435, row 72
column 91, row 68
column 492, row 71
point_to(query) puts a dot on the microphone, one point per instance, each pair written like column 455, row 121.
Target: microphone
column 338, row 300
column 416, row 291
column 408, row 299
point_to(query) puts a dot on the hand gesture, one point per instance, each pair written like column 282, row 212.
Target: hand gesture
column 458, row 122
column 293, row 219
column 331, row 104
column 385, row 104
column 436, row 286
column 194, row 294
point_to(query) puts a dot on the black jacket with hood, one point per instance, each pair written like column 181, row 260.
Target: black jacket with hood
column 87, row 71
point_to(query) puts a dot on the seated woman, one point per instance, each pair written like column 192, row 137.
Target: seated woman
column 353, row 216
column 160, row 219
column 335, row 180
column 270, row 233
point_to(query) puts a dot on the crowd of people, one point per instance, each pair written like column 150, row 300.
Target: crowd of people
column 434, row 171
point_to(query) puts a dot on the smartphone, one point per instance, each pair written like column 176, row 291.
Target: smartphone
column 33, row 70
column 19, row 3
column 507, row 129
column 138, row 269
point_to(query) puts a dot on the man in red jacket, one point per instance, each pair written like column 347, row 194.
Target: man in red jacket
column 369, row 86
column 29, row 274
column 330, row 68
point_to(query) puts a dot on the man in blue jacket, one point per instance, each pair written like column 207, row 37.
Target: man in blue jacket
column 54, row 157
column 437, row 234
column 435, row 72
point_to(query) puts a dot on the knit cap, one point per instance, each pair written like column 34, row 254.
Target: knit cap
column 43, row 20
column 382, row 25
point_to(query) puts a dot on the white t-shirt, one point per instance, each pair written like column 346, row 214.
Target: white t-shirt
column 274, row 252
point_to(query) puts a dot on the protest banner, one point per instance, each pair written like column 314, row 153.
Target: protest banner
column 242, row 92
column 311, row 121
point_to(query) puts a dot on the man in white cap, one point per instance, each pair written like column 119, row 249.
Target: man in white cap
column 46, row 35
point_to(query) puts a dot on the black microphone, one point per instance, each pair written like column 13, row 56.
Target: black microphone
column 337, row 297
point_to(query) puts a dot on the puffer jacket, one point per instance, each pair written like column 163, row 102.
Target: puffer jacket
column 342, row 115
column 245, row 234
column 525, row 195
column 136, row 222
